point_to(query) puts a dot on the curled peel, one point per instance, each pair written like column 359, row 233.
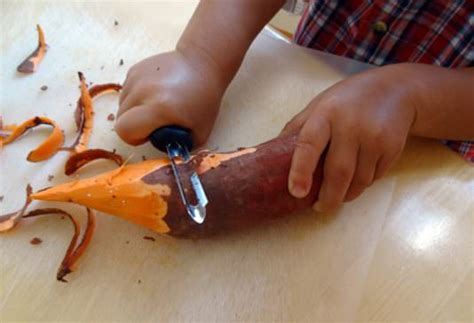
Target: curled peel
column 47, row 148
column 76, row 161
column 84, row 114
column 31, row 63
column 94, row 91
column 75, row 250
column 8, row 221
column 5, row 130
column 99, row 89
column 84, row 117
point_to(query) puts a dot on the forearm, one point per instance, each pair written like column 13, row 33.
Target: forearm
column 444, row 101
column 221, row 31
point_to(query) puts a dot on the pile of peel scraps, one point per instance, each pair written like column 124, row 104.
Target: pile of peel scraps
column 79, row 155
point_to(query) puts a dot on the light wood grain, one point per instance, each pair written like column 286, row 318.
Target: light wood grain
column 403, row 251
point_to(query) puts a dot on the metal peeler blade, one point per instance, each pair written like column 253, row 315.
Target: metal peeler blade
column 197, row 211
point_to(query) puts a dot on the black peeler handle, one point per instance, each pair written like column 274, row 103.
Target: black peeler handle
column 164, row 136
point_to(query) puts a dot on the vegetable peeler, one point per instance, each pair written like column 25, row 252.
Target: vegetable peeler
column 177, row 142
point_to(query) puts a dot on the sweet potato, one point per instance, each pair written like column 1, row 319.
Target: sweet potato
column 244, row 188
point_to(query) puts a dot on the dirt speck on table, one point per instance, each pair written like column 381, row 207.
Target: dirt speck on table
column 36, row 241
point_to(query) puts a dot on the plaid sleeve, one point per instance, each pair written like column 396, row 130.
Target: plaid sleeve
column 464, row 148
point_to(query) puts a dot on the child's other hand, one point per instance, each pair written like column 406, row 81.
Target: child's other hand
column 168, row 89
column 364, row 121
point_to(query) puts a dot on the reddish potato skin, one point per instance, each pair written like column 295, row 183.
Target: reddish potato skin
column 243, row 191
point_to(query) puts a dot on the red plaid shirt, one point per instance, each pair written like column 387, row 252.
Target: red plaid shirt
column 393, row 31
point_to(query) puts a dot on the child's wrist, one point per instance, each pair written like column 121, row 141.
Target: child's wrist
column 205, row 63
column 403, row 83
column 412, row 79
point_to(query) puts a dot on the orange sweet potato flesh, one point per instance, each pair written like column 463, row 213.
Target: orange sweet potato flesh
column 244, row 188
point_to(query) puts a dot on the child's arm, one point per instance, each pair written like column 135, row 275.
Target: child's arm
column 185, row 86
column 221, row 32
column 444, row 101
column 365, row 120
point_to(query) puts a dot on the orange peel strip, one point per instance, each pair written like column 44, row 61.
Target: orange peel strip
column 76, row 161
column 84, row 114
column 8, row 221
column 94, row 91
column 86, row 117
column 47, row 148
column 31, row 63
column 68, row 266
column 74, row 250
column 99, row 89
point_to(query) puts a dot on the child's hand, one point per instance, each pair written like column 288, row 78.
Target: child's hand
column 169, row 89
column 364, row 120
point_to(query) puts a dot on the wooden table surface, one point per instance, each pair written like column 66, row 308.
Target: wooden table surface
column 402, row 251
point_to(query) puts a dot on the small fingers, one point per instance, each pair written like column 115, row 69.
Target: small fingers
column 339, row 168
column 392, row 153
column 127, row 103
column 384, row 164
column 312, row 140
column 364, row 173
column 126, row 91
column 135, row 125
